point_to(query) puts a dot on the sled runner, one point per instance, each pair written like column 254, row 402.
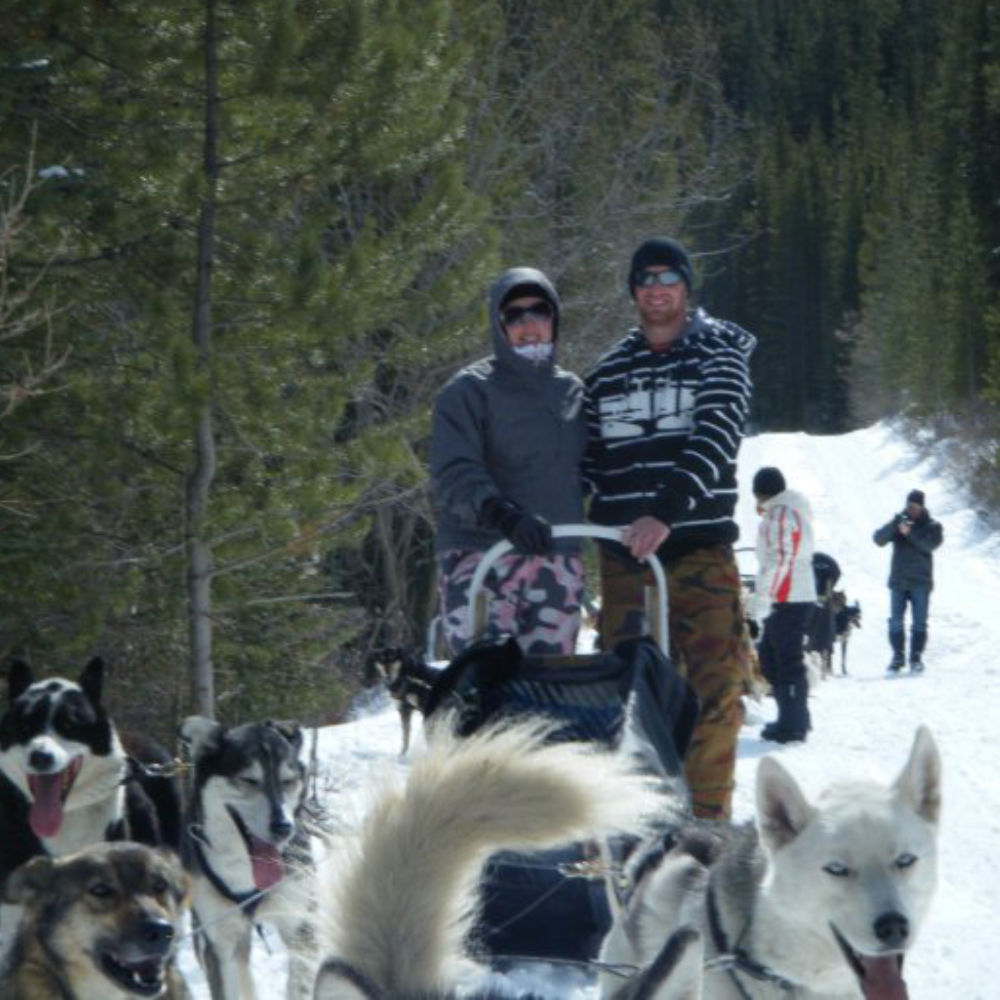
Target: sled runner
column 532, row 906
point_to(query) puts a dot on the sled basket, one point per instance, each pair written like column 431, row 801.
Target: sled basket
column 597, row 698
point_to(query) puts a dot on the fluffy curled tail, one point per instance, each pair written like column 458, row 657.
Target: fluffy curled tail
column 407, row 897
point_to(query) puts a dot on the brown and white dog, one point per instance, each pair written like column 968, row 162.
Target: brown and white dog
column 409, row 681
column 100, row 924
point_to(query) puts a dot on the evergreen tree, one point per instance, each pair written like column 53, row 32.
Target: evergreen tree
column 269, row 226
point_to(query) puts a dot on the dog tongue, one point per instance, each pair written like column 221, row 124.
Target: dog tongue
column 883, row 979
column 268, row 866
column 46, row 814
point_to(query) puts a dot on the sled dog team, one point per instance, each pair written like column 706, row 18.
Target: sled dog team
column 814, row 900
column 99, row 862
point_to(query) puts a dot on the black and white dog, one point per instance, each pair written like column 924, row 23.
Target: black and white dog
column 846, row 618
column 409, row 681
column 67, row 781
column 248, row 848
column 832, row 625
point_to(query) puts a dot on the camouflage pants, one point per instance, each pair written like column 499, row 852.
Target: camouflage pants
column 707, row 644
column 536, row 599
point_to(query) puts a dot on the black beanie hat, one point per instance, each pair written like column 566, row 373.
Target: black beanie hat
column 768, row 482
column 662, row 251
column 915, row 496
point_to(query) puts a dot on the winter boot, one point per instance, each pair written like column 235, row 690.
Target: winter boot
column 917, row 642
column 897, row 640
column 792, row 723
column 780, row 694
column 804, row 718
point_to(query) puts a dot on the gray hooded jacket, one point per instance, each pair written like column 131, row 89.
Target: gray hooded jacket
column 505, row 426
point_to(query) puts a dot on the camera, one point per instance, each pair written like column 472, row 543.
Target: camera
column 905, row 519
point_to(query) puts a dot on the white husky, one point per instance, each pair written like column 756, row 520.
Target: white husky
column 404, row 901
column 819, row 902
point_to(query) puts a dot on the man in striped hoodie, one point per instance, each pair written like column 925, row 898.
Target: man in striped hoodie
column 665, row 413
column 784, row 599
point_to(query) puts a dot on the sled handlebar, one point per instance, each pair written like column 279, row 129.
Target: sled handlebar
column 478, row 606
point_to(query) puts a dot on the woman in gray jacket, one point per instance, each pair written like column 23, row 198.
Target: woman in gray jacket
column 506, row 446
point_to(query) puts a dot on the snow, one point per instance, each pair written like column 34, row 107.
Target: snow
column 863, row 723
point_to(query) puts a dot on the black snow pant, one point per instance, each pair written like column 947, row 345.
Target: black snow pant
column 781, row 645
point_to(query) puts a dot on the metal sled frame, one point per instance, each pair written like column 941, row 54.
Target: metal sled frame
column 656, row 597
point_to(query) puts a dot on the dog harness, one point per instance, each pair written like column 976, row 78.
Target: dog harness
column 248, row 901
column 736, row 961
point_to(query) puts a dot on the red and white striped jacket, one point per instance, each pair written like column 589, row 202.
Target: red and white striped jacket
column 784, row 552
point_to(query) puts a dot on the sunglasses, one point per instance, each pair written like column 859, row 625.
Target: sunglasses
column 515, row 315
column 646, row 279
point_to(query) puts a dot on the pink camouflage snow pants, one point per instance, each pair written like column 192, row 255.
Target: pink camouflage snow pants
column 536, row 599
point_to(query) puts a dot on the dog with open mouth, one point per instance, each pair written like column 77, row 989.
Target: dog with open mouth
column 247, row 844
column 68, row 779
column 100, row 924
column 814, row 901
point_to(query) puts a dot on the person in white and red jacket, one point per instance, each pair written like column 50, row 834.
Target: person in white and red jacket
column 785, row 599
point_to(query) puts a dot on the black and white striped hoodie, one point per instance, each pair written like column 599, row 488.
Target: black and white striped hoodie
column 664, row 429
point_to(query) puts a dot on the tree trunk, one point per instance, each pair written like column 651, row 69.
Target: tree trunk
column 199, row 481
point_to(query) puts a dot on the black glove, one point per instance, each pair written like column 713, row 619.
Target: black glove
column 528, row 534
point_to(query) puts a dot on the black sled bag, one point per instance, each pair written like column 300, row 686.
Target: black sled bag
column 530, row 906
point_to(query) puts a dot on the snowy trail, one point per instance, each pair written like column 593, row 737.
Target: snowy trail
column 863, row 723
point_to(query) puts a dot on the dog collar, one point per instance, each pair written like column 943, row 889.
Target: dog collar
column 737, row 961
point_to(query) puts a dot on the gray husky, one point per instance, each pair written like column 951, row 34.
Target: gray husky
column 818, row 902
column 248, row 848
column 404, row 899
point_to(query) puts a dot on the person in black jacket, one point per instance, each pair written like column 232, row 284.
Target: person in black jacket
column 914, row 535
column 666, row 407
column 507, row 440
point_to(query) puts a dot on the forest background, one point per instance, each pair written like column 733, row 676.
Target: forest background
column 244, row 242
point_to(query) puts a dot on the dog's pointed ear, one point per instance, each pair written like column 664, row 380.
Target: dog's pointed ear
column 513, row 647
column 92, row 679
column 19, row 678
column 31, row 878
column 389, row 669
column 782, row 809
column 920, row 779
column 292, row 731
column 199, row 732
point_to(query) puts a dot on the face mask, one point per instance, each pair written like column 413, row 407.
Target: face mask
column 535, row 353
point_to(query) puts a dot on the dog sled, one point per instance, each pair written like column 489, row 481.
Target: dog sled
column 542, row 906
